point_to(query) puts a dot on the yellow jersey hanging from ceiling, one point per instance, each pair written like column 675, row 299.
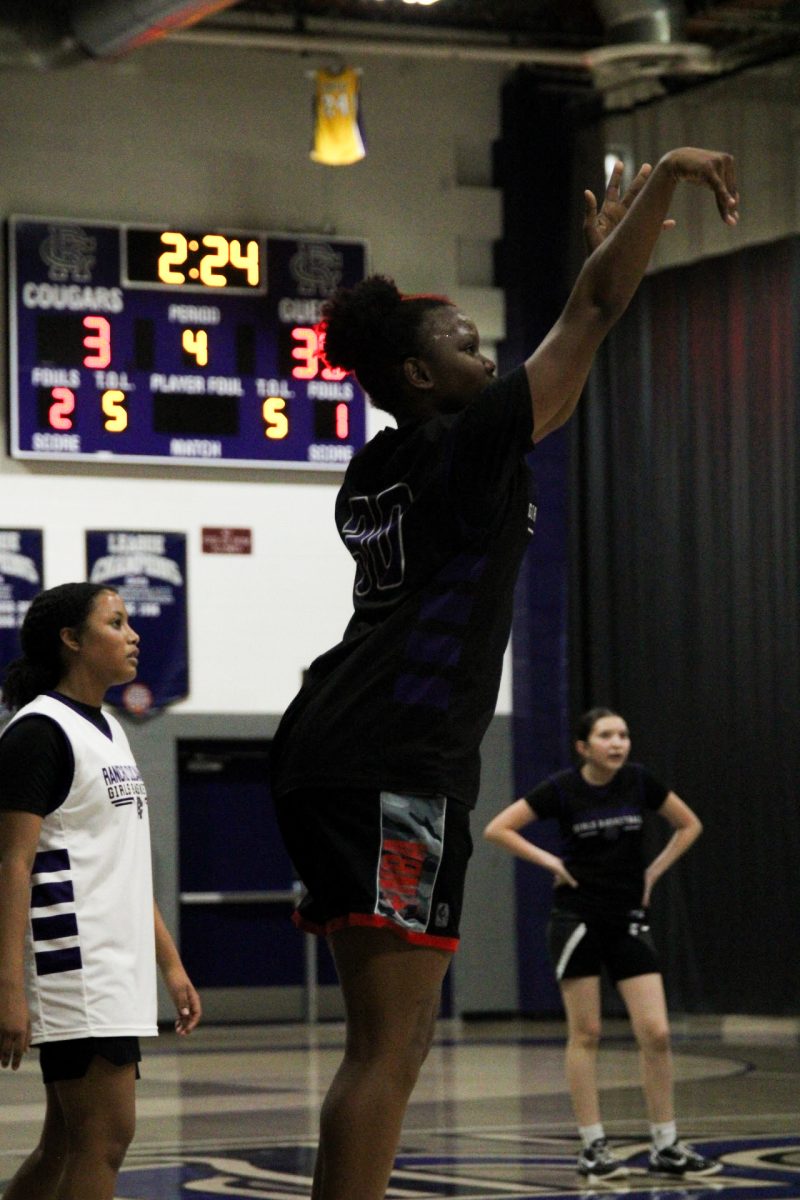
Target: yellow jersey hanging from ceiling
column 338, row 135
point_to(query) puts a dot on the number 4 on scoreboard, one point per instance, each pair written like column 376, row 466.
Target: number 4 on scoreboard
column 196, row 344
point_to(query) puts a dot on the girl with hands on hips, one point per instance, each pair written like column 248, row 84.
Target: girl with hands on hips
column 599, row 920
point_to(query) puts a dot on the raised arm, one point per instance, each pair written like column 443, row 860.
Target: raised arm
column 504, row 830
column 558, row 368
column 19, row 837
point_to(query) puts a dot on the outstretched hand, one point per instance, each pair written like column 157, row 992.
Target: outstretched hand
column 708, row 168
column 597, row 225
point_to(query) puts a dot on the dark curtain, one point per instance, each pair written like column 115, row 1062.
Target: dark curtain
column 535, row 266
column 684, row 613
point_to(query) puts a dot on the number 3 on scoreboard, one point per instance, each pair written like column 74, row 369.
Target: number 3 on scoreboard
column 99, row 342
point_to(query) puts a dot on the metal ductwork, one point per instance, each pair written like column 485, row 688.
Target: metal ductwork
column 44, row 34
column 656, row 21
column 104, row 28
column 645, row 43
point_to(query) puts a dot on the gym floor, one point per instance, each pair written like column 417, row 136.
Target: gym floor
column 233, row 1112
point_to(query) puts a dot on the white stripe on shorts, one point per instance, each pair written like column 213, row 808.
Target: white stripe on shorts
column 566, row 953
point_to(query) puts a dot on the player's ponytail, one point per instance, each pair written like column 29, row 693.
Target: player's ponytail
column 41, row 664
column 371, row 329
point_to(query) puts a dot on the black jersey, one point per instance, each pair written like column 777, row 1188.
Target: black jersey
column 437, row 516
column 36, row 763
column 601, row 832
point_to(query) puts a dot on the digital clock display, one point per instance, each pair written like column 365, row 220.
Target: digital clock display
column 171, row 258
column 139, row 343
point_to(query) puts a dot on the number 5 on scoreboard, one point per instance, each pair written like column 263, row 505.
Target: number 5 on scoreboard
column 276, row 422
column 113, row 405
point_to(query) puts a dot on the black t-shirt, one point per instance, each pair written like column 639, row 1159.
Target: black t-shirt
column 601, row 833
column 437, row 516
column 36, row 764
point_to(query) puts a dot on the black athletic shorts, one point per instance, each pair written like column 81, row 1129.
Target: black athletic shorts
column 70, row 1059
column 580, row 948
column 379, row 859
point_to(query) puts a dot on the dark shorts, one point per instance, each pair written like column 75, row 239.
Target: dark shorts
column 70, row 1060
column 378, row 859
column 580, row 948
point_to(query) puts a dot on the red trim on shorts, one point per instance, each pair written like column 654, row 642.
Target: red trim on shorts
column 374, row 921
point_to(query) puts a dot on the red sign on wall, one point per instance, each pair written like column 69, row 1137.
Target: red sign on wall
column 227, row 541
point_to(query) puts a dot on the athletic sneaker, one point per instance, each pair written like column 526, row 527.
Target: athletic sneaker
column 597, row 1162
column 680, row 1159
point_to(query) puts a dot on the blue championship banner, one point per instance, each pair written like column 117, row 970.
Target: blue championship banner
column 20, row 580
column 149, row 572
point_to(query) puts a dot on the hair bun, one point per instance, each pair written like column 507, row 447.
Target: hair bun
column 356, row 321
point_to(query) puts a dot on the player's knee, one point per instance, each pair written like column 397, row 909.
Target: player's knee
column 653, row 1037
column 110, row 1153
column 586, row 1035
column 116, row 1151
column 105, row 1141
column 399, row 1047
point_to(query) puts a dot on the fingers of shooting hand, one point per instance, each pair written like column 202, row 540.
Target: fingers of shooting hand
column 725, row 187
column 637, row 183
column 729, row 175
column 706, row 168
column 591, row 236
column 614, row 180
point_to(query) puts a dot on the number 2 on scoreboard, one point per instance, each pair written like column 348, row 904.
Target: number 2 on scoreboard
column 60, row 414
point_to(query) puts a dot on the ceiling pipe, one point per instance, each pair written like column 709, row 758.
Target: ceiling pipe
column 333, row 45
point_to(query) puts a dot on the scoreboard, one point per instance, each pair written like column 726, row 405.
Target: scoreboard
column 189, row 346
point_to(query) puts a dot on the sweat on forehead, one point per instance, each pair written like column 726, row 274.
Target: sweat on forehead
column 447, row 321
